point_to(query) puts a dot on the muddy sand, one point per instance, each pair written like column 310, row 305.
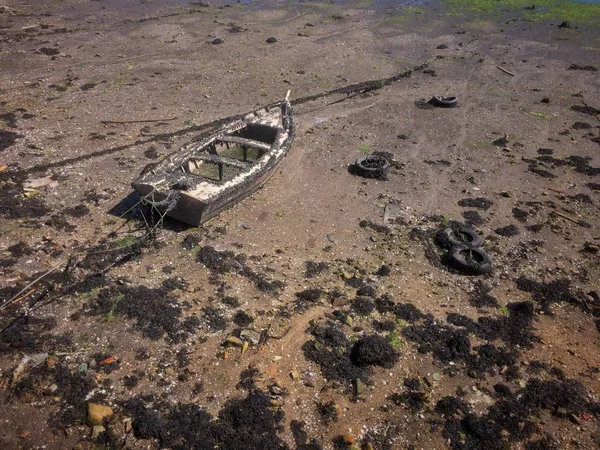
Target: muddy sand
column 321, row 311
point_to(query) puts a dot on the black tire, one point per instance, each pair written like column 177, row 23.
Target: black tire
column 444, row 102
column 470, row 260
column 462, row 237
column 372, row 166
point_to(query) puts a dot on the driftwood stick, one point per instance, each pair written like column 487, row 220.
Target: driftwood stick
column 505, row 71
column 137, row 121
column 45, row 274
column 24, row 296
column 564, row 216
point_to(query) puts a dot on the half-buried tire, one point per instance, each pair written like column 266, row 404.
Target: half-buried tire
column 461, row 236
column 372, row 166
column 470, row 260
column 444, row 102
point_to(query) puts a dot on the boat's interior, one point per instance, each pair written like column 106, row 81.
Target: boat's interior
column 229, row 155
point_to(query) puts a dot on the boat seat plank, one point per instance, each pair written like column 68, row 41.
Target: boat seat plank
column 222, row 160
column 244, row 141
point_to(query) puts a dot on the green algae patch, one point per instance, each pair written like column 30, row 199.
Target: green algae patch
column 537, row 115
column 542, row 10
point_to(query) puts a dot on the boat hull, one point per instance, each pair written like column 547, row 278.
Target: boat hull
column 195, row 206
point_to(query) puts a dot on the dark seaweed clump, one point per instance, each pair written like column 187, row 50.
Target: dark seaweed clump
column 366, row 291
column 373, row 350
column 472, row 218
column 477, row 202
column 14, row 204
column 248, row 378
column 480, row 296
column 404, row 311
column 156, row 311
column 330, row 349
column 513, row 417
column 314, row 268
column 541, row 172
column 363, row 306
column 581, row 198
column 413, row 398
column 230, row 301
column 444, row 342
column 373, row 226
column 223, row 262
column 242, row 319
column 191, row 240
column 30, row 334
column 546, row 294
column 386, row 325
column 327, row 411
column 107, row 255
column 214, row 319
column 243, row 423
column 173, row 283
column 60, row 223
column 585, row 109
column 19, row 249
column 131, row 381
column 594, row 186
column 73, row 388
column 507, row 231
column 77, row 211
column 581, row 126
column 383, row 271
column 515, row 329
column 520, row 214
column 310, row 295
column 305, row 299
column 582, row 163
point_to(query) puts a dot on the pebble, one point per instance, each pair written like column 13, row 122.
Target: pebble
column 279, row 328
column 271, row 40
column 250, row 335
column 97, row 430
column 97, row 413
column 340, row 301
column 235, row 341
column 359, row 386
column 349, row 439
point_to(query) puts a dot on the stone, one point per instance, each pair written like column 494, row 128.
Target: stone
column 250, row 335
column 271, row 40
column 295, row 374
column 235, row 341
column 96, row 431
column 561, row 412
column 340, row 301
column 97, row 413
column 359, row 386
column 279, row 328
column 349, row 439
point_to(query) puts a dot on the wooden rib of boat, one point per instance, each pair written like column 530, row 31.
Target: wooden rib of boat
column 203, row 178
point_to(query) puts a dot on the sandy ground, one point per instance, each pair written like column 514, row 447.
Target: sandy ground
column 91, row 92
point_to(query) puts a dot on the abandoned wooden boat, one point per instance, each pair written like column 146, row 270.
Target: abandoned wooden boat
column 203, row 178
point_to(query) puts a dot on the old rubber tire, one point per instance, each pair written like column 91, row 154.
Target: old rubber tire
column 470, row 260
column 372, row 166
column 444, row 102
column 461, row 237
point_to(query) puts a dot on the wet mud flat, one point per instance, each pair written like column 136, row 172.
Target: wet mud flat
column 322, row 312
